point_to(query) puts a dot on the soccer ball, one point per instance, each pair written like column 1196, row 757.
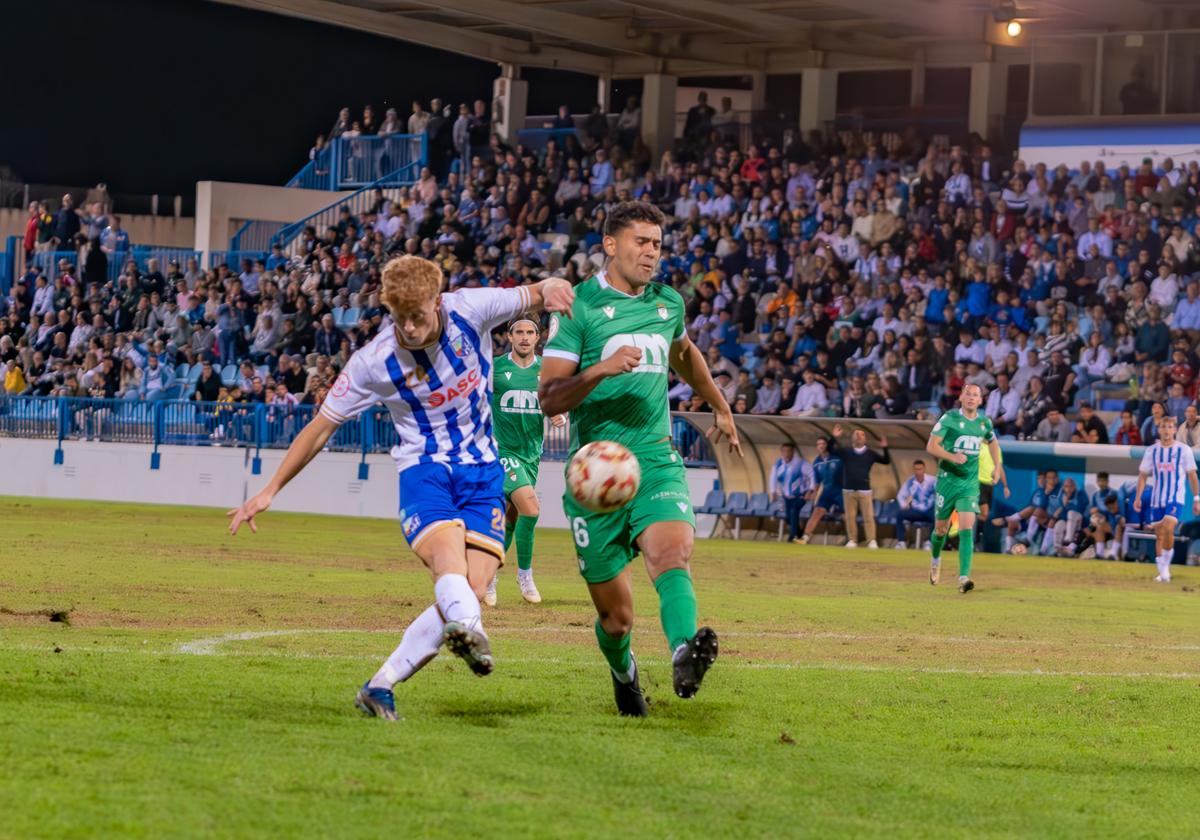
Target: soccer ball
column 603, row 476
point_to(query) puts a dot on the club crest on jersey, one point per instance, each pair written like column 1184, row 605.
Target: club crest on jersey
column 610, row 311
column 508, row 374
column 460, row 347
column 662, row 311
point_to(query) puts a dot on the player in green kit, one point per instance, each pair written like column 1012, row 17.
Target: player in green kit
column 607, row 364
column 519, row 427
column 956, row 441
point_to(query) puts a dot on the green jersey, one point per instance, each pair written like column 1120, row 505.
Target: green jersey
column 515, row 408
column 630, row 408
column 960, row 434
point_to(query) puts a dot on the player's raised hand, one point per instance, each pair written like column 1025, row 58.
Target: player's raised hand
column 837, row 430
column 883, row 441
column 246, row 513
column 558, row 295
column 723, row 426
column 558, row 421
column 624, row 360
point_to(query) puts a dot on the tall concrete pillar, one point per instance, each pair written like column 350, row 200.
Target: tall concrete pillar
column 658, row 113
column 818, row 98
column 510, row 94
column 989, row 91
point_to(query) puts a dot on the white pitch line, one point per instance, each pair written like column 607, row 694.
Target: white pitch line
column 211, row 649
column 201, row 647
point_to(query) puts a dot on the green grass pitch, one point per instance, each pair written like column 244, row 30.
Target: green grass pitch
column 202, row 685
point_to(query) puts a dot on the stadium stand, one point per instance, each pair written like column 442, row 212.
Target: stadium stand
column 862, row 276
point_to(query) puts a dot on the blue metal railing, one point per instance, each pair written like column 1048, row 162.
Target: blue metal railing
column 48, row 261
column 233, row 259
column 351, row 162
column 251, row 425
column 254, row 235
column 357, row 203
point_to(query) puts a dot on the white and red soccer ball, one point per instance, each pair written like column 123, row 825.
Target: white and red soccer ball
column 603, row 476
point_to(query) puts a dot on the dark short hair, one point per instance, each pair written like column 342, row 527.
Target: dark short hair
column 1103, row 475
column 523, row 317
column 918, row 461
column 626, row 213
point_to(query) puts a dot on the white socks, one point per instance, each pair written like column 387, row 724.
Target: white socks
column 1163, row 561
column 457, row 601
column 419, row 644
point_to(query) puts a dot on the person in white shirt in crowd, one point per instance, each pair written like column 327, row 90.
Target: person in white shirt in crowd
column 792, row 481
column 1033, row 367
column 969, row 350
column 1187, row 313
column 1094, row 362
column 997, row 348
column 916, row 497
column 886, row 321
column 958, row 185
column 1164, row 290
column 1003, row 405
column 844, row 244
column 157, row 379
column 768, row 396
column 811, row 399
column 1095, row 237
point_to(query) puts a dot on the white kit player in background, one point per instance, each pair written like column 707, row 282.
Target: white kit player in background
column 430, row 367
column 1171, row 464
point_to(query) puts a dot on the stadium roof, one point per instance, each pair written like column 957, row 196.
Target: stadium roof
column 721, row 37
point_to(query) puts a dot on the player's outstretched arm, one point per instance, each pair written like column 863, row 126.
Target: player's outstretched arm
column 304, row 448
column 553, row 294
column 692, row 367
column 563, row 386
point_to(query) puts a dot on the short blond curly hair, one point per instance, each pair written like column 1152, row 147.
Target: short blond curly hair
column 409, row 282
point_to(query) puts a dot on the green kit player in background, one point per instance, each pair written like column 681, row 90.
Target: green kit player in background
column 520, row 427
column 607, row 364
column 956, row 441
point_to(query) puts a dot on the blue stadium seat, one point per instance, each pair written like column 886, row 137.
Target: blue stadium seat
column 714, row 503
column 181, row 371
column 229, row 375
column 738, row 505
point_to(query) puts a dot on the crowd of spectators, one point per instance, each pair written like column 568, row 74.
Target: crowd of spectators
column 848, row 275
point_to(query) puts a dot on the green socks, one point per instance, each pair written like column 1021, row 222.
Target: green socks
column 524, row 531
column 616, row 651
column 966, row 549
column 935, row 545
column 508, row 534
column 676, row 606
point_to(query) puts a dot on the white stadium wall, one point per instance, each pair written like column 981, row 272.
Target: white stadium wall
column 221, row 477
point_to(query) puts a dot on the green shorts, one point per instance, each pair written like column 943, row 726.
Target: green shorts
column 605, row 542
column 955, row 494
column 518, row 473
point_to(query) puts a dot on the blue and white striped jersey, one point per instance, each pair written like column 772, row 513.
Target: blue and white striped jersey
column 1168, row 468
column 439, row 396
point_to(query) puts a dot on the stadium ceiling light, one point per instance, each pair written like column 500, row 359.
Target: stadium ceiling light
column 1013, row 29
